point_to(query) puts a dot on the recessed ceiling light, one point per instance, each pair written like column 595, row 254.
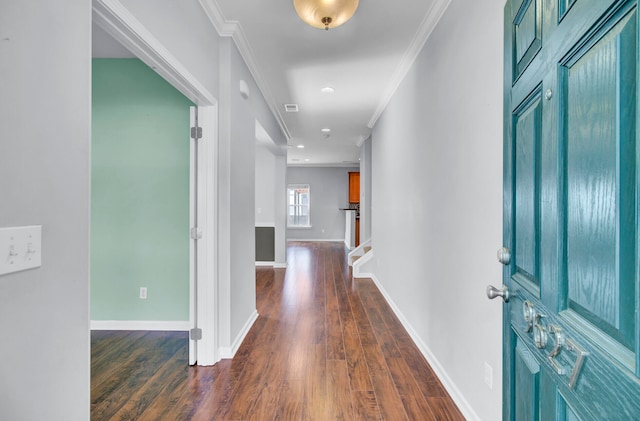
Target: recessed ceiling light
column 307, row 160
column 326, row 130
column 328, row 90
column 300, row 146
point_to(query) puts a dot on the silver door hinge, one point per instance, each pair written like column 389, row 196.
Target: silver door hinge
column 196, row 133
column 196, row 233
column 195, row 334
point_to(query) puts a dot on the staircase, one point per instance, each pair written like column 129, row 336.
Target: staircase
column 359, row 256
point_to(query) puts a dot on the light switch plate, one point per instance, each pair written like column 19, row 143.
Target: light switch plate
column 20, row 248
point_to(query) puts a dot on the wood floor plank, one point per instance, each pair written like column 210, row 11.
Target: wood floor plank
column 390, row 403
column 136, row 370
column 164, row 378
column 291, row 400
column 187, row 398
column 356, row 364
column 365, row 406
column 415, row 404
column 339, row 403
column 315, row 387
column 213, row 404
column 325, row 347
column 109, row 349
column 335, row 343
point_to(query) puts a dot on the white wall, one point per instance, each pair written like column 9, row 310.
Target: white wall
column 437, row 210
column 271, row 170
column 243, row 245
column 237, row 188
column 365, row 190
column 44, row 179
column 329, row 192
column 281, row 211
column 265, row 187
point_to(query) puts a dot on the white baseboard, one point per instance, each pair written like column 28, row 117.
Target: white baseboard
column 318, row 240
column 265, row 264
column 274, row 265
column 446, row 381
column 140, row 325
column 230, row 352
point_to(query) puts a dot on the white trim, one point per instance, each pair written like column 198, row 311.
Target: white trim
column 358, row 251
column 182, row 326
column 322, row 240
column 360, row 262
column 420, row 38
column 446, row 381
column 228, row 353
column 224, row 27
column 265, row 224
column 271, row 264
column 354, row 164
column 118, row 22
column 193, row 357
column 207, row 297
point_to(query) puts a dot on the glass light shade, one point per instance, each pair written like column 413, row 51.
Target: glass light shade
column 316, row 12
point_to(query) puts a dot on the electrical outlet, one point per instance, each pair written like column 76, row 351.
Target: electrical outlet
column 143, row 293
column 488, row 375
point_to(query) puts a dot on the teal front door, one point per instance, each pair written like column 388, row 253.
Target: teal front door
column 571, row 329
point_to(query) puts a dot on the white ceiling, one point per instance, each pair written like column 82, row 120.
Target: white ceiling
column 364, row 60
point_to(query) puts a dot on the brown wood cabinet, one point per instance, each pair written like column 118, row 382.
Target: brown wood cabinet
column 354, row 187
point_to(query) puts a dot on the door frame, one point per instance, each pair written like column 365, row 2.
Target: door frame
column 117, row 21
column 203, row 292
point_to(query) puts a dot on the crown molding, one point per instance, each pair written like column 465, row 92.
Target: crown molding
column 117, row 21
column 423, row 33
column 362, row 139
column 233, row 29
column 224, row 27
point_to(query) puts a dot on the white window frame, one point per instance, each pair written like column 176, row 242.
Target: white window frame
column 293, row 187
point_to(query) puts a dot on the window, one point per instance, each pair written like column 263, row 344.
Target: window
column 298, row 197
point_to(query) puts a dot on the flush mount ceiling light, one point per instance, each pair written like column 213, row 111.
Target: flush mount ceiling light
column 326, row 130
column 325, row 14
column 300, row 146
column 328, row 90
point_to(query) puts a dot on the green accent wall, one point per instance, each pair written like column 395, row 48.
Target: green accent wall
column 139, row 194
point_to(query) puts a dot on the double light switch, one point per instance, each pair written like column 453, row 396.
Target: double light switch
column 20, row 248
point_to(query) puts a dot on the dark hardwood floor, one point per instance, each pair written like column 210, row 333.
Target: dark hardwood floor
column 325, row 347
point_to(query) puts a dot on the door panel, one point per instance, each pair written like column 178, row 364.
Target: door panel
column 571, row 330
column 527, row 35
column 527, row 122
column 600, row 174
column 527, row 378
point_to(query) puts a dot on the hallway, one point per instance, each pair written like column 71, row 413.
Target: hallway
column 325, row 347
